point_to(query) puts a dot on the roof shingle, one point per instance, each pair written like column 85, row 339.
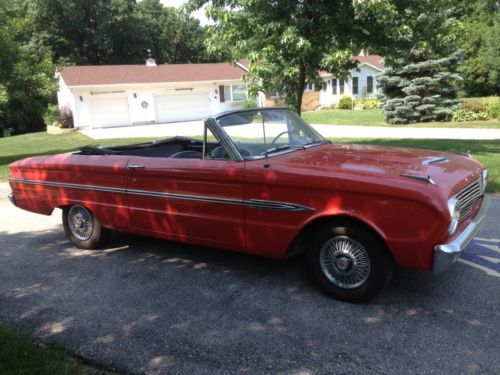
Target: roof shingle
column 375, row 60
column 133, row 74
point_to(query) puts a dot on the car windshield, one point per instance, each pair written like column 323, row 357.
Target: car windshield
column 271, row 130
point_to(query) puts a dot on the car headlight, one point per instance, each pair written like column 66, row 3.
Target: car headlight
column 484, row 180
column 454, row 209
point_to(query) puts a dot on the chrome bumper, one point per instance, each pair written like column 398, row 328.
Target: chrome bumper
column 12, row 199
column 445, row 255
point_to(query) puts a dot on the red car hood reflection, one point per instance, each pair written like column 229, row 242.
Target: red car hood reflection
column 456, row 172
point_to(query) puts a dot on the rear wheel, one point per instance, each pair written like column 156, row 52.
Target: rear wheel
column 349, row 262
column 82, row 228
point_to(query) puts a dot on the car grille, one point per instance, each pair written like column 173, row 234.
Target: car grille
column 467, row 197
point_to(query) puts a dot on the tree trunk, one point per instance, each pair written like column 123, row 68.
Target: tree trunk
column 300, row 88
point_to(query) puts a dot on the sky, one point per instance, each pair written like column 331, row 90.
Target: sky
column 200, row 14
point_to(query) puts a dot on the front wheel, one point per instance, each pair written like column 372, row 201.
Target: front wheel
column 349, row 262
column 82, row 228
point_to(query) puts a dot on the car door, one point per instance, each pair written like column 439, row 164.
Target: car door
column 188, row 200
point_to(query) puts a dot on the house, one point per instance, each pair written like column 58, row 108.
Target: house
column 361, row 83
column 123, row 95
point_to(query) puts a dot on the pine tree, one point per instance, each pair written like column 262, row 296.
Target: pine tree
column 421, row 92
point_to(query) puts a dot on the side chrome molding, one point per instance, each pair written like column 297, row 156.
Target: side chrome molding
column 251, row 203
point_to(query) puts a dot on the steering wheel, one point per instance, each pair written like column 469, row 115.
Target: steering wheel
column 278, row 136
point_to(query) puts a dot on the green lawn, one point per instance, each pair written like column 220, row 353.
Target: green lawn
column 18, row 355
column 21, row 146
column 373, row 117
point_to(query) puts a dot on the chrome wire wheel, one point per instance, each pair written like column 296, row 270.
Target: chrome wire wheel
column 80, row 222
column 345, row 262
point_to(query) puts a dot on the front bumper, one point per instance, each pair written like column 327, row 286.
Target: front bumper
column 445, row 255
column 12, row 199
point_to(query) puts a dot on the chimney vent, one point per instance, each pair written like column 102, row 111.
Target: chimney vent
column 150, row 61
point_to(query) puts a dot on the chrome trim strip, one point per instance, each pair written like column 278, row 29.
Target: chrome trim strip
column 445, row 255
column 427, row 178
column 279, row 206
column 198, row 198
column 68, row 185
column 435, row 160
column 251, row 203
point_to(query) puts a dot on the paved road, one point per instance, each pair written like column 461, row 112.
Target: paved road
column 193, row 128
column 150, row 306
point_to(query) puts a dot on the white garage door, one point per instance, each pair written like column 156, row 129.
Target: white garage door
column 171, row 108
column 108, row 112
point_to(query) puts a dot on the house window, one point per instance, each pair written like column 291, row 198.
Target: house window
column 341, row 84
column 235, row 93
column 334, row 86
column 309, row 86
column 369, row 84
column 355, row 85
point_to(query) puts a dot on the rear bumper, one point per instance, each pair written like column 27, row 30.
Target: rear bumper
column 445, row 255
column 12, row 199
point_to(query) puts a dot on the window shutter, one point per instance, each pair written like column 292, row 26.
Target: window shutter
column 221, row 94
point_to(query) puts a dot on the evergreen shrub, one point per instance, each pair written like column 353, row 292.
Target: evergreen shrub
column 420, row 91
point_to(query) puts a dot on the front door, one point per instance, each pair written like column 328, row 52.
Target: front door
column 188, row 200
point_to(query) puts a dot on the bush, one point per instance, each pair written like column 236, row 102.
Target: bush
column 66, row 118
column 462, row 115
column 250, row 103
column 51, row 115
column 367, row 103
column 472, row 105
column 493, row 107
column 345, row 102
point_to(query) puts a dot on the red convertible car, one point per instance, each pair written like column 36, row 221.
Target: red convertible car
column 264, row 182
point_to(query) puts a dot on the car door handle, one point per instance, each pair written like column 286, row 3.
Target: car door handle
column 133, row 166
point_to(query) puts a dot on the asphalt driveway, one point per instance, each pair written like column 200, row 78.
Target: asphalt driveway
column 150, row 306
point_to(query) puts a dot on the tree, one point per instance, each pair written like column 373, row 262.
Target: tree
column 481, row 25
column 27, row 82
column 95, row 32
column 89, row 32
column 172, row 36
column 288, row 42
column 419, row 92
column 421, row 58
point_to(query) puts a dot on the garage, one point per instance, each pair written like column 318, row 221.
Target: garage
column 109, row 112
column 178, row 107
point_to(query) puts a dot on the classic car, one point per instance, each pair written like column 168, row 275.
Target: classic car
column 264, row 182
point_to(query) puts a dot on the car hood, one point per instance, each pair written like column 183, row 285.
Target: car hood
column 453, row 170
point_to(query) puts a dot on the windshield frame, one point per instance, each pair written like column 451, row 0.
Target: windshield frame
column 228, row 143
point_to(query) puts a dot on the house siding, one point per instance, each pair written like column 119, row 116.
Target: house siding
column 80, row 99
column 327, row 97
